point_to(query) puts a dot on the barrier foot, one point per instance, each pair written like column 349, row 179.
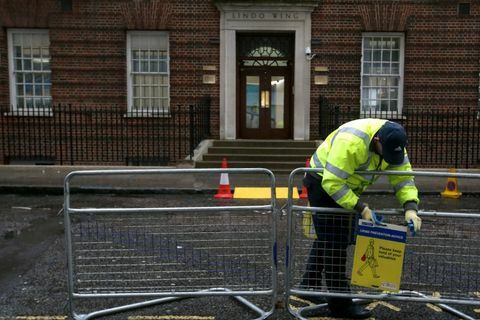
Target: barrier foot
column 443, row 306
column 262, row 313
column 123, row 308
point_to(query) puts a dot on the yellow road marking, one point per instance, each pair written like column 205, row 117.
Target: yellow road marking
column 295, row 298
column 262, row 193
column 295, row 309
column 171, row 318
column 434, row 307
column 374, row 304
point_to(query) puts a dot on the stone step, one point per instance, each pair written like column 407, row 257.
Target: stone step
column 265, row 143
column 280, row 156
column 261, row 150
column 272, row 165
column 257, row 157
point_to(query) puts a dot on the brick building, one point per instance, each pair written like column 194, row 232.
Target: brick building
column 265, row 67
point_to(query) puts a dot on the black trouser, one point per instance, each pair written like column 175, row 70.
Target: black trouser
column 329, row 250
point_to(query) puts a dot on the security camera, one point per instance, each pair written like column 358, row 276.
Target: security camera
column 308, row 53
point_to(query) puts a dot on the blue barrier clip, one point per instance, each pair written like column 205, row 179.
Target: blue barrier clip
column 411, row 227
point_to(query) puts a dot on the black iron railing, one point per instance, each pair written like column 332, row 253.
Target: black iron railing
column 437, row 138
column 70, row 135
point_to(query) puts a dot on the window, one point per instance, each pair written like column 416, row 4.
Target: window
column 382, row 73
column 30, row 75
column 148, row 72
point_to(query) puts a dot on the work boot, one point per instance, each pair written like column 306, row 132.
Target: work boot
column 349, row 310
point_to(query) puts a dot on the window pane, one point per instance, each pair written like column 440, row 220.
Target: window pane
column 380, row 92
column 163, row 66
column 31, row 52
column 395, row 68
column 367, row 56
column 149, row 59
column 38, row 90
column 154, row 66
column 29, row 103
column 18, row 65
column 20, row 90
column 28, row 90
column 253, row 101
column 386, row 56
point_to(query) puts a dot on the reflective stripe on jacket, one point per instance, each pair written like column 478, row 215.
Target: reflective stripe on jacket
column 346, row 150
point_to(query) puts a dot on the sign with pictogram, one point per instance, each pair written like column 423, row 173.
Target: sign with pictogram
column 378, row 257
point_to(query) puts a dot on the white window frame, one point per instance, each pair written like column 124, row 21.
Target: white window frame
column 377, row 112
column 12, row 74
column 142, row 112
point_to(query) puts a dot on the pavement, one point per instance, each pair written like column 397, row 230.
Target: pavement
column 27, row 179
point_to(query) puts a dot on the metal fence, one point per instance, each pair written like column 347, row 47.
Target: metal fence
column 169, row 252
column 441, row 263
column 70, row 135
column 437, row 138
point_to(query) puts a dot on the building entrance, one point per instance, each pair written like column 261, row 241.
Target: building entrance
column 264, row 84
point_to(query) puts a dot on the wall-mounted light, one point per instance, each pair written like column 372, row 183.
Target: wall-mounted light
column 308, row 53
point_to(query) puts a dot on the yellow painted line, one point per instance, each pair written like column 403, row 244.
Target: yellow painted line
column 295, row 298
column 375, row 304
column 262, row 193
column 171, row 318
column 295, row 309
column 390, row 306
column 434, row 307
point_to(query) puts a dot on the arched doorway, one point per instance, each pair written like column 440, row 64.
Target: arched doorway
column 264, row 85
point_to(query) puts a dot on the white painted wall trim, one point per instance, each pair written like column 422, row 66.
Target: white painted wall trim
column 264, row 17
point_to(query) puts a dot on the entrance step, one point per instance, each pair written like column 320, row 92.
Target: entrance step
column 280, row 156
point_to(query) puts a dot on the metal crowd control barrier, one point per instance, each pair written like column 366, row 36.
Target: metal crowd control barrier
column 170, row 253
column 441, row 262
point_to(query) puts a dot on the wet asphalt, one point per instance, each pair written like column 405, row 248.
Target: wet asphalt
column 33, row 274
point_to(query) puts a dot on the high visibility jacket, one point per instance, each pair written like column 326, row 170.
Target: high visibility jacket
column 346, row 150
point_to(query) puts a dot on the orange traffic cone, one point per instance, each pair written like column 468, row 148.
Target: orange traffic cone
column 304, row 193
column 224, row 191
column 451, row 189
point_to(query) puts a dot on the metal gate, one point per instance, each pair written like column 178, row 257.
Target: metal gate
column 169, row 253
column 441, row 263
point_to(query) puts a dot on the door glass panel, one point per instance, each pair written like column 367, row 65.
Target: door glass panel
column 253, row 101
column 277, row 108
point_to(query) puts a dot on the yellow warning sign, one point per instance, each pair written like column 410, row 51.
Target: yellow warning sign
column 262, row 193
column 378, row 257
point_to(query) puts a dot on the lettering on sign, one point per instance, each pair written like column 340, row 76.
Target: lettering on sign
column 265, row 15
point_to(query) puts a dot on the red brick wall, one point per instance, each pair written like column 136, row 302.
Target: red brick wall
column 88, row 48
column 441, row 54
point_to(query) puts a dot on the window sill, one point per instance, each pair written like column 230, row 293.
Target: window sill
column 147, row 114
column 382, row 115
column 32, row 113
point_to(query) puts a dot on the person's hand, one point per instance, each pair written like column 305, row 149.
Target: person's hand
column 412, row 217
column 368, row 214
